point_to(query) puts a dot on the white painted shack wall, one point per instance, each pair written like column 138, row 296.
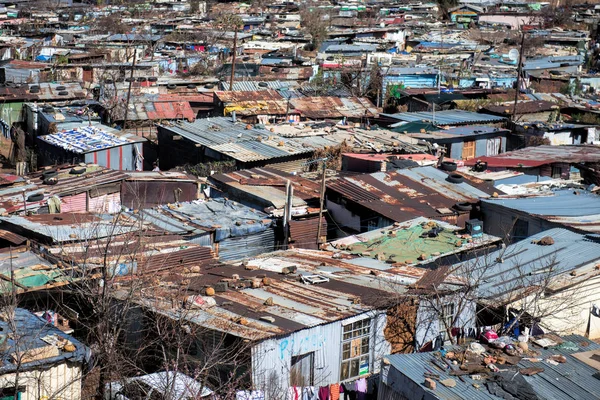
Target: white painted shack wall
column 428, row 319
column 569, row 311
column 62, row 381
column 271, row 359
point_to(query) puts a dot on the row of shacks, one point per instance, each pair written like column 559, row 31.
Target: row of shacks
column 281, row 291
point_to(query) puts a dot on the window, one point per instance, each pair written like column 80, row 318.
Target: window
column 447, row 314
column 9, row 393
column 520, row 230
column 355, row 349
column 468, row 150
column 556, row 172
column 301, row 373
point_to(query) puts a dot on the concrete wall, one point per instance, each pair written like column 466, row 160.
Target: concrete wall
column 62, row 381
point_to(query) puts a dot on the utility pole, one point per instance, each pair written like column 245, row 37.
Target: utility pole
column 323, row 162
column 322, row 199
column 287, row 212
column 519, row 73
column 233, row 58
column 129, row 90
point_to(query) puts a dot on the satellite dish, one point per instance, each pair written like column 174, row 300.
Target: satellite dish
column 513, row 54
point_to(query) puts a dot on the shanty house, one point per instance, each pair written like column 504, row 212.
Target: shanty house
column 551, row 279
column 222, row 139
column 41, row 360
column 79, row 188
column 518, row 218
column 403, row 376
column 98, row 144
column 546, row 160
column 310, row 318
column 266, row 189
column 467, row 142
column 361, row 203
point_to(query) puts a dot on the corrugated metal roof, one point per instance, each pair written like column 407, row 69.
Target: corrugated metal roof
column 334, row 107
column 12, row 237
column 525, row 264
column 539, row 155
column 446, row 117
column 403, row 194
column 295, row 305
column 559, row 203
column 239, row 143
column 68, row 227
column 581, row 211
column 552, row 62
column 571, row 380
column 265, row 187
column 250, row 86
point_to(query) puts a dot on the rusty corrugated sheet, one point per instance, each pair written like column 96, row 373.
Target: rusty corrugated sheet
column 257, row 95
column 143, row 194
column 106, row 203
column 74, row 203
column 169, row 110
column 334, row 107
column 285, row 73
column 303, row 232
column 12, row 237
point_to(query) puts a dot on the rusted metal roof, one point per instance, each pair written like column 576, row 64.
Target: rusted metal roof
column 334, row 107
column 198, row 97
column 266, row 187
column 12, row 237
column 152, row 252
column 405, row 194
column 303, row 232
column 46, row 92
column 157, row 110
column 11, row 196
column 531, row 157
column 257, row 95
column 285, row 73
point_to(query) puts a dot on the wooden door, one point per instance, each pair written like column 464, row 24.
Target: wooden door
column 468, row 150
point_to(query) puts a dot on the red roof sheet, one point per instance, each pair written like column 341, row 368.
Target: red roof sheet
column 171, row 110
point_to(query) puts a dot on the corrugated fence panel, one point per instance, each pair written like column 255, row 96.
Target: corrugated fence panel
column 303, row 232
column 107, row 203
column 75, row 203
column 204, row 239
column 237, row 248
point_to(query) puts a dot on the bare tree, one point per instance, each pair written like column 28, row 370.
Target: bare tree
column 315, row 22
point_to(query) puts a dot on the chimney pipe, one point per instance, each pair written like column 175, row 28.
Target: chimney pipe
column 233, row 118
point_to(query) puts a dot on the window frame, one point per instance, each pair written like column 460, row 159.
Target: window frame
column 446, row 319
column 299, row 358
column 362, row 330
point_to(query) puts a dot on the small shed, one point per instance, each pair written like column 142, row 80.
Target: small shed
column 97, row 144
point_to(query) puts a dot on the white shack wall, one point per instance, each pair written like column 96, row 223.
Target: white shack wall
column 569, row 311
column 62, row 381
column 428, row 319
column 272, row 358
